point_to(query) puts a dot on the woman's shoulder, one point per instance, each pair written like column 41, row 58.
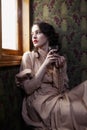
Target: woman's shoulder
column 28, row 57
column 28, row 53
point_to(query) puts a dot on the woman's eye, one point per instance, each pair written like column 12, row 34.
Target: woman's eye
column 35, row 33
column 38, row 32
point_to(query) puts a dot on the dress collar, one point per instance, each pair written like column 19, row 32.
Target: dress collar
column 41, row 52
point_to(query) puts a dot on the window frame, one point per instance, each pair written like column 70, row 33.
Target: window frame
column 12, row 57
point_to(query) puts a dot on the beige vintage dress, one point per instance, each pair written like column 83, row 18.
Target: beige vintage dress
column 51, row 106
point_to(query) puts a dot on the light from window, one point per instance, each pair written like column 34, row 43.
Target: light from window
column 9, row 24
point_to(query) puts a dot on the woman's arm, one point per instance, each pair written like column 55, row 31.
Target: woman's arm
column 31, row 84
column 26, row 79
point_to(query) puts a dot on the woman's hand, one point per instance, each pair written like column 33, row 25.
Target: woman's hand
column 60, row 61
column 54, row 58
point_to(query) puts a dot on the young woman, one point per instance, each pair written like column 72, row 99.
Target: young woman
column 48, row 104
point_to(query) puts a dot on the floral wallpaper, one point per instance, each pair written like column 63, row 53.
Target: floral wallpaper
column 69, row 17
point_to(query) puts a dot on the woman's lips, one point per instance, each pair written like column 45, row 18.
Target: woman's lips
column 35, row 41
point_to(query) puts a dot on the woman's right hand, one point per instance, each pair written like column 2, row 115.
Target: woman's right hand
column 54, row 58
column 51, row 57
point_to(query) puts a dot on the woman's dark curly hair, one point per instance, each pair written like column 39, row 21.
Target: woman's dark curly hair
column 49, row 31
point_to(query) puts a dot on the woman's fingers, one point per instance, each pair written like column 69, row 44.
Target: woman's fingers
column 53, row 51
column 61, row 61
column 55, row 58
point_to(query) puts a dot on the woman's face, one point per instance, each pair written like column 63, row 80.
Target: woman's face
column 38, row 38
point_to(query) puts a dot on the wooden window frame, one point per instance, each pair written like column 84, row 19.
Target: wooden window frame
column 12, row 57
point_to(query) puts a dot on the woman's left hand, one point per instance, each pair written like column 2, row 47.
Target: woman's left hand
column 60, row 61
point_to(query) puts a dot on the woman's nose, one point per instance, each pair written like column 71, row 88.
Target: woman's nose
column 34, row 36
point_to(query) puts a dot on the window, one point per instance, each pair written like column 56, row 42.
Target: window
column 11, row 42
column 9, row 24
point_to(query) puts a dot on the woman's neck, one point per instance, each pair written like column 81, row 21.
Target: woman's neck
column 45, row 47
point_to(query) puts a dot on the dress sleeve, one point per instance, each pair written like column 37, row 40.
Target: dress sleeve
column 26, row 78
column 25, row 70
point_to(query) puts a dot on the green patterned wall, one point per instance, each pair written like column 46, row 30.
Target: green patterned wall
column 69, row 17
